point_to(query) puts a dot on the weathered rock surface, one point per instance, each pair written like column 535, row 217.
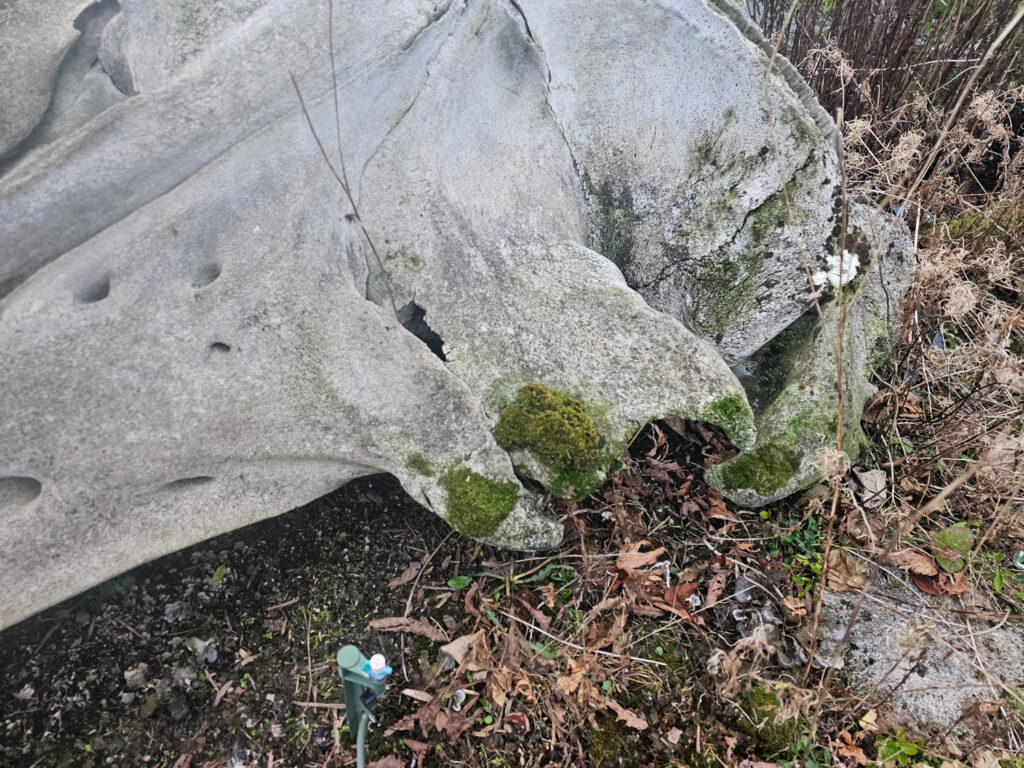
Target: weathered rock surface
column 931, row 660
column 709, row 192
column 35, row 37
column 791, row 381
column 194, row 336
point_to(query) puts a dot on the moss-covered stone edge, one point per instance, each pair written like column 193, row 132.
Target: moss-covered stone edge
column 729, row 411
column 477, row 505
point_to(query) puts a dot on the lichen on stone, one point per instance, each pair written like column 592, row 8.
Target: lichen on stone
column 551, row 425
column 477, row 505
column 616, row 219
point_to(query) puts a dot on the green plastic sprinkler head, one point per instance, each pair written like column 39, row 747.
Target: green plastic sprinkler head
column 365, row 680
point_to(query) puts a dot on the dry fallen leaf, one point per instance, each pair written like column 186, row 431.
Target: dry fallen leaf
column 412, row 693
column 632, row 559
column 391, row 761
column 984, row 758
column 873, row 485
column 419, row 748
column 942, row 584
column 520, row 719
column 411, row 626
column 912, row 560
column 405, row 576
column 795, row 605
column 845, row 572
column 716, row 587
column 630, row 719
column 869, row 721
column 458, row 648
column 847, row 747
column 549, row 593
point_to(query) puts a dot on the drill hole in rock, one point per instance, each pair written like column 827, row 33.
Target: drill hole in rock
column 206, row 274
column 17, row 492
column 93, row 290
column 220, row 346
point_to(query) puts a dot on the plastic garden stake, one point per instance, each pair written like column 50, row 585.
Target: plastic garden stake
column 365, row 680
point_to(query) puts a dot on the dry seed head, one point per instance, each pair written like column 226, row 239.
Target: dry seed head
column 832, row 463
column 906, row 151
column 960, row 300
column 855, row 130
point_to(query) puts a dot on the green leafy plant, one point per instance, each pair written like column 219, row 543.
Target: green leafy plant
column 951, row 545
column 899, row 750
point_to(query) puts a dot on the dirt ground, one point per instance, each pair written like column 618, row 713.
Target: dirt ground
column 641, row 641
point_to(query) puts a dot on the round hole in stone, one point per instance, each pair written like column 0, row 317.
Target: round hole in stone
column 206, row 274
column 91, row 291
column 220, row 346
column 187, row 482
column 16, row 492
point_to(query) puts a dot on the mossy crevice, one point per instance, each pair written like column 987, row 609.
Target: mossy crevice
column 732, row 413
column 477, row 505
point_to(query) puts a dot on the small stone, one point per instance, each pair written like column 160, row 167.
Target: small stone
column 744, row 589
column 178, row 705
column 183, row 676
column 137, row 676
column 205, row 650
column 25, row 693
column 149, row 705
column 175, row 612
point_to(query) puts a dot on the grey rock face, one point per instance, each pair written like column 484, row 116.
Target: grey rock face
column 35, row 37
column 931, row 659
column 195, row 337
column 695, row 183
column 791, row 382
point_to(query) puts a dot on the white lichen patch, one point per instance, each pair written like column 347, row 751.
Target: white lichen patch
column 837, row 272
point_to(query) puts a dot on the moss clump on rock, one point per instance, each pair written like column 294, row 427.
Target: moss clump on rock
column 477, row 505
column 550, row 424
column 773, row 734
column 764, row 470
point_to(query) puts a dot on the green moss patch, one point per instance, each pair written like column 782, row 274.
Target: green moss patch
column 417, row 462
column 764, row 470
column 477, row 505
column 772, row 734
column 732, row 413
column 550, row 424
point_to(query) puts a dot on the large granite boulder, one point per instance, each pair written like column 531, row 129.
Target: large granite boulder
column 581, row 217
